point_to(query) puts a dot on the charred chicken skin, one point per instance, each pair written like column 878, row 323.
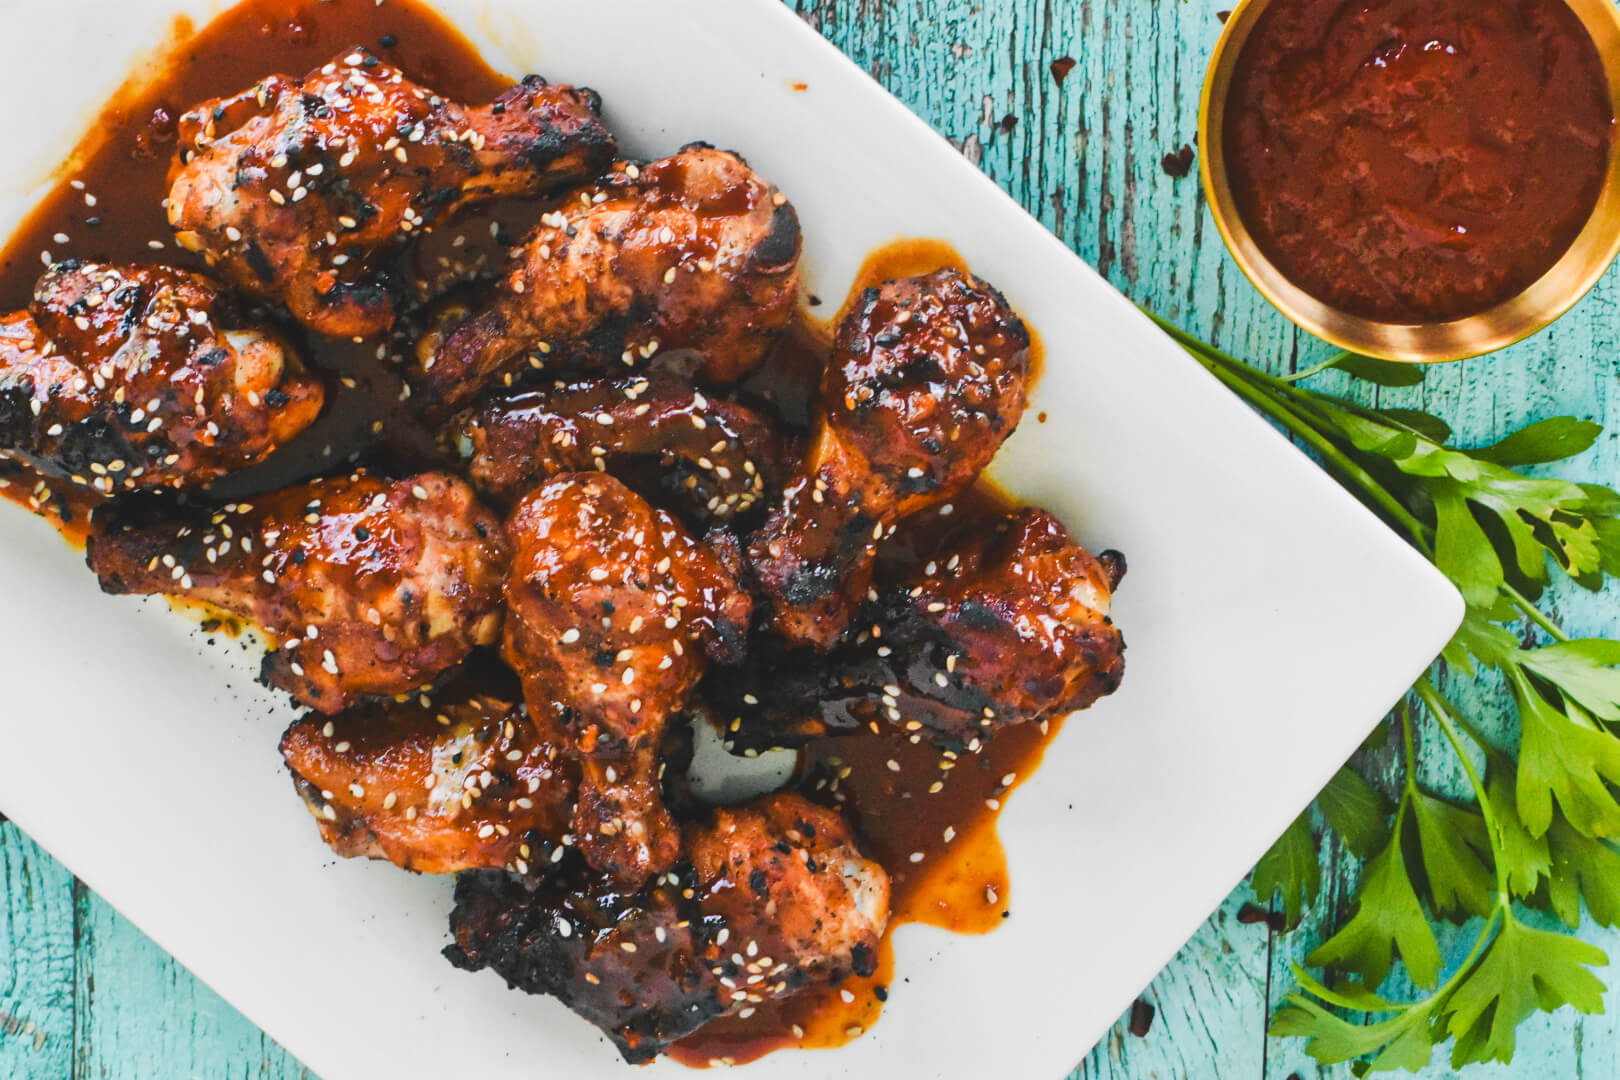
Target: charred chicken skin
column 775, row 897
column 371, row 587
column 656, row 431
column 122, row 378
column 295, row 190
column 436, row 787
column 695, row 252
column 612, row 610
column 1005, row 626
column 927, row 378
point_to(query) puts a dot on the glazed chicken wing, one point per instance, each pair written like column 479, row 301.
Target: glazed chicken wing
column 694, row 252
column 372, row 587
column 656, row 431
column 296, row 191
column 926, row 381
column 634, row 963
column 1005, row 626
column 786, row 877
column 122, row 377
column 776, row 897
column 435, row 787
column 612, row 608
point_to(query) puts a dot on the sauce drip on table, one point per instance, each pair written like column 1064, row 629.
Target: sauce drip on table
column 928, row 816
column 1414, row 160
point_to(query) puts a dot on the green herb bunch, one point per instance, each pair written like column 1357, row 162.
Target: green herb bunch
column 1540, row 827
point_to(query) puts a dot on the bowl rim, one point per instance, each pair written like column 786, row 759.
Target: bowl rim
column 1512, row 320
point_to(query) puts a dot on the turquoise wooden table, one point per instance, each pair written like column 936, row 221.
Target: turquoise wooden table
column 1072, row 106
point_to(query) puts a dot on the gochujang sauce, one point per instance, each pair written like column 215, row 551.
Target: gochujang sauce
column 1417, row 160
column 926, row 815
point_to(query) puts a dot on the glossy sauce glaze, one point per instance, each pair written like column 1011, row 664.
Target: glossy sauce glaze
column 107, row 206
column 928, row 816
column 1417, row 161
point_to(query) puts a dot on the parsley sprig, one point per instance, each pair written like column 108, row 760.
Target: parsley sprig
column 1538, row 829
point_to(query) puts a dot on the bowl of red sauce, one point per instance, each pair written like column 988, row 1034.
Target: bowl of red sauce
column 1417, row 180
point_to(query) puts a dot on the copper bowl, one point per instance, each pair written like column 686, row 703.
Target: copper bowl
column 1514, row 319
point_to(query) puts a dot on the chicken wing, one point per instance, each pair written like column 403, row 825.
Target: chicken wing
column 776, row 897
column 657, row 432
column 121, row 378
column 372, row 587
column 1006, row 625
column 694, row 252
column 926, row 381
column 297, row 191
column 786, row 877
column 612, row 608
column 634, row 963
column 434, row 786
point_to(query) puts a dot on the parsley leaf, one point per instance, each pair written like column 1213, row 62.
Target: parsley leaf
column 1564, row 755
column 1524, row 969
column 1480, row 639
column 1455, row 848
column 1583, row 867
column 1291, row 868
column 1428, row 425
column 1553, row 439
column 1525, row 858
column 1382, row 372
column 1461, row 549
column 1388, row 920
column 1581, row 669
column 1356, row 811
column 1404, row 1041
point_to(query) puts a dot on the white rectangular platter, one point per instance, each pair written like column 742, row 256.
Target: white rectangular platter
column 1270, row 619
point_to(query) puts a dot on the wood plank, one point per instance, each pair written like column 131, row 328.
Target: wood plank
column 141, row 1016
column 36, row 961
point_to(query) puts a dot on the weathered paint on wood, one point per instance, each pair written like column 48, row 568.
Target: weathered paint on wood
column 83, row 995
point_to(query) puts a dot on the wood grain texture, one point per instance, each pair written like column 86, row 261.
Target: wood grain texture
column 84, row 995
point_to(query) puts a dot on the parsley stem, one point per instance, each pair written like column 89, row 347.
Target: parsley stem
column 1409, row 781
column 1530, row 610
column 1266, row 394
